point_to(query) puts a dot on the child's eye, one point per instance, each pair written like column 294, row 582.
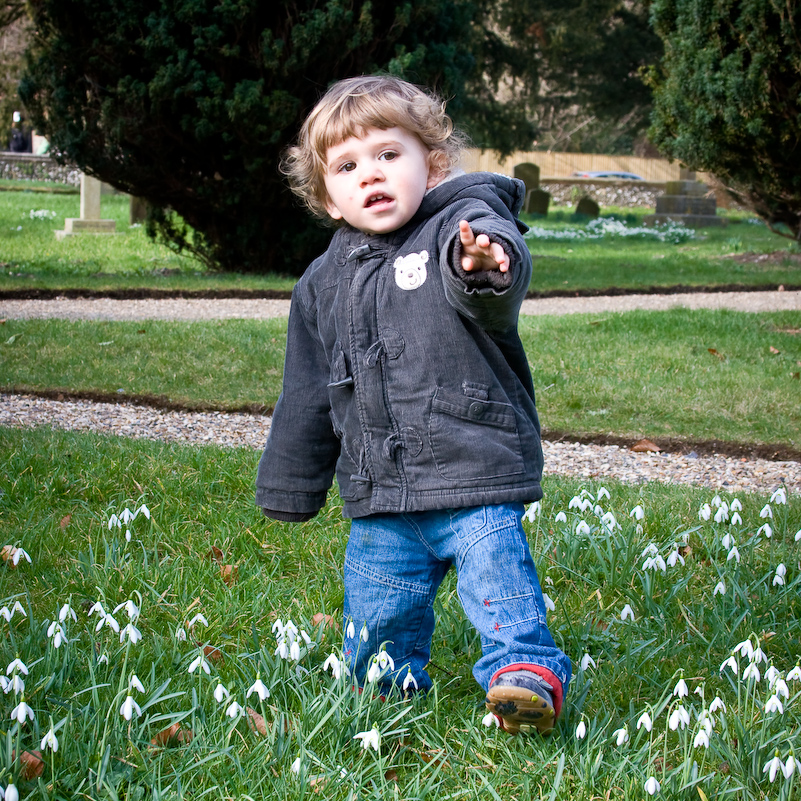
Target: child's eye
column 348, row 166
column 388, row 155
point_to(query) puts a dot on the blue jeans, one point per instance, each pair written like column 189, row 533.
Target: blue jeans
column 394, row 565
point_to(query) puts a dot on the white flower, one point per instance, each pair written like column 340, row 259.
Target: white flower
column 373, row 672
column 789, row 766
column 778, row 580
column 549, row 604
column 260, row 689
column 294, row 651
column 652, row 786
column 701, row 739
column 674, row 557
column 586, row 661
column 49, row 741
column 575, row 502
column 18, row 554
column 766, row 530
column 621, row 736
column 135, row 684
column 220, row 693
column 766, row 511
column 680, row 690
column 751, row 671
column 200, row 662
column 198, row 618
column 16, row 664
column 746, row 648
column 97, row 607
column 295, row 767
column 779, row 496
column 795, row 674
column 56, row 631
column 233, row 710
column 717, row 704
column 350, row 632
column 644, row 721
column 130, row 607
column 335, row 665
column 11, row 793
column 781, row 688
column 102, row 659
column 533, row 511
column 581, row 730
column 491, row 720
column 110, row 621
column 364, row 634
column 603, row 493
column 21, row 712
column 732, row 663
column 638, row 513
column 679, row 717
column 797, row 537
column 610, row 521
column 627, row 612
column 720, row 588
column 759, row 656
column 385, row 660
column 773, row 767
column 65, row 612
column 734, row 553
column 369, row 738
column 561, row 517
column 143, row 510
column 722, row 514
column 409, row 680
column 655, row 563
column 15, row 684
column 180, row 634
column 126, row 516
column 736, row 520
column 705, row 512
column 716, row 501
column 114, row 521
column 129, row 708
column 132, row 633
column 736, row 506
column 650, row 550
column 774, row 704
column 582, row 528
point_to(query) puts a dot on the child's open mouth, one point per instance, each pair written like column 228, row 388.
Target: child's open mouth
column 377, row 200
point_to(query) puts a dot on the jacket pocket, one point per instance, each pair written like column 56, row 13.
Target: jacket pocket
column 473, row 438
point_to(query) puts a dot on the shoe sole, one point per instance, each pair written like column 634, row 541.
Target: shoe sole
column 520, row 710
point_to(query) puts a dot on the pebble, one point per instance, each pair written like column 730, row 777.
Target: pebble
column 574, row 459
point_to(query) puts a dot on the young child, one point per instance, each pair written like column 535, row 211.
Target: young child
column 406, row 378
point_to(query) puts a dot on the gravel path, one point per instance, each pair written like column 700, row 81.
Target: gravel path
column 571, row 459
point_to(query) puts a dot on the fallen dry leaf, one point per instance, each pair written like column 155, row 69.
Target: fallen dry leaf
column 775, row 351
column 229, row 574
column 7, row 553
column 257, row 722
column 391, row 775
column 645, row 446
column 327, row 621
column 31, row 764
column 717, row 353
column 215, row 654
column 173, row 736
column 215, row 554
column 65, row 521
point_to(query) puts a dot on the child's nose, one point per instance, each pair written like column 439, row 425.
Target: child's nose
column 371, row 174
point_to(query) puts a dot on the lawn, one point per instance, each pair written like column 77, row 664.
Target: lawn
column 145, row 645
column 582, row 258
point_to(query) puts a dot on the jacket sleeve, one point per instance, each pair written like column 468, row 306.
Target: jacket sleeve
column 492, row 300
column 296, row 469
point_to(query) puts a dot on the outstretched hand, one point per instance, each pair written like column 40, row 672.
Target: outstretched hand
column 479, row 254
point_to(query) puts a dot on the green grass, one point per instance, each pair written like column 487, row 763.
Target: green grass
column 639, row 374
column 58, row 491
column 32, row 258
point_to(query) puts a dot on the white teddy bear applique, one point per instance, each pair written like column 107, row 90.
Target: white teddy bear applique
column 410, row 270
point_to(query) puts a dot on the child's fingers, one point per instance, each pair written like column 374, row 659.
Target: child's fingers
column 466, row 234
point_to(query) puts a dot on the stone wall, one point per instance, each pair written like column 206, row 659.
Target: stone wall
column 628, row 194
column 27, row 167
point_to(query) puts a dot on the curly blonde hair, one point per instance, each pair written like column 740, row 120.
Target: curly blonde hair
column 349, row 108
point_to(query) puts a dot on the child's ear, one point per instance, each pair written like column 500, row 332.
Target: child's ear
column 437, row 169
column 333, row 212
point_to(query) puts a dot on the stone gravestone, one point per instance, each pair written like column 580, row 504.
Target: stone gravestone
column 685, row 202
column 587, row 207
column 537, row 200
column 137, row 210
column 89, row 222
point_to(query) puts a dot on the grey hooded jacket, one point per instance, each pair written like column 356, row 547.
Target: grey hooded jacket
column 404, row 374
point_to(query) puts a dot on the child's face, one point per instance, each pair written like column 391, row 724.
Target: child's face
column 377, row 181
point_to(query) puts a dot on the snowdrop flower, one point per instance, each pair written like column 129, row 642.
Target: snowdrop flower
column 18, row 554
column 335, row 665
column 638, row 513
column 717, row 502
column 22, row 712
column 549, row 604
column 717, row 704
column 732, row 663
column 598, row 511
column 373, row 672
column 129, row 708
column 705, row 512
column 644, row 721
column 736, row 506
column 533, row 511
column 674, row 557
column 409, row 680
column 722, row 514
column 15, row 684
column 295, row 767
column 751, row 671
column 627, row 612
column 652, row 786
column 97, row 607
column 57, row 633
column 650, row 550
column 561, row 517
column 199, row 618
column 350, row 632
column 789, row 766
column 114, row 521
column 65, row 612
column 17, row 664
column 778, row 580
column 581, row 730
column 200, row 662
column 259, row 688
column 773, row 767
column 779, row 496
column 233, row 710
column 766, row 530
column 759, row 656
column 11, row 793
column 701, row 739
column 582, row 528
column 135, row 684
column 586, row 661
column 110, row 621
column 603, row 493
column 679, row 717
column 794, row 674
column 180, row 634
column 610, row 521
column 720, row 588
column 797, row 537
column 746, row 648
column 49, row 741
column 621, row 736
column 766, row 511
column 132, row 633
column 220, row 693
column 736, row 520
column 575, row 502
column 774, row 704
column 5, row 612
column 734, row 553
column 364, row 634
column 130, row 607
column 680, row 690
column 654, row 563
column 294, row 651
column 727, row 541
column 491, row 720
column 369, row 739
column 102, row 659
